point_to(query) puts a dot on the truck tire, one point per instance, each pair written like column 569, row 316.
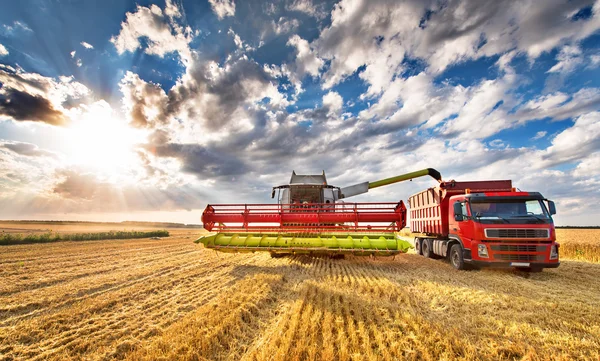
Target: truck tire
column 418, row 246
column 456, row 257
column 427, row 248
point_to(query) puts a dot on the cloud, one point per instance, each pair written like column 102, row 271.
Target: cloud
column 3, row 51
column 27, row 149
column 334, row 102
column 217, row 96
column 22, row 106
column 223, row 8
column 77, row 185
column 201, row 161
column 576, row 142
column 559, row 106
column 172, row 10
column 414, row 100
column 236, row 38
column 162, row 34
column 539, row 135
column 307, row 7
column 76, row 191
column 144, row 102
column 16, row 28
column 87, row 45
column 569, row 58
column 307, row 60
column 497, row 143
column 33, row 97
column 383, row 32
column 285, row 25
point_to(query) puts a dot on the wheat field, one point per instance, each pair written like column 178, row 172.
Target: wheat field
column 170, row 299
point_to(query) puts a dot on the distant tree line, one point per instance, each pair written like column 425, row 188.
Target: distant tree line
column 17, row 238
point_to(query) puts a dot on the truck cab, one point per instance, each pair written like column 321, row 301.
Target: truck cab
column 504, row 229
column 485, row 224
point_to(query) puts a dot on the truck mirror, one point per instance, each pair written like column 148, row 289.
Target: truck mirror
column 458, row 215
column 273, row 193
column 552, row 207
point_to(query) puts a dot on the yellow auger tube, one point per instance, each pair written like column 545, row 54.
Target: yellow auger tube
column 384, row 244
column 420, row 173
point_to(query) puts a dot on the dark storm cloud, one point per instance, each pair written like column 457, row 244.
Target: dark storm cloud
column 201, row 161
column 22, row 106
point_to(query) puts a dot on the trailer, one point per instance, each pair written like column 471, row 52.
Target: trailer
column 484, row 224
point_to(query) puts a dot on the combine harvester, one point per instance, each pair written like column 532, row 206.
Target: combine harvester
column 311, row 218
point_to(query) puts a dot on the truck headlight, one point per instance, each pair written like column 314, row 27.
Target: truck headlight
column 554, row 252
column 482, row 251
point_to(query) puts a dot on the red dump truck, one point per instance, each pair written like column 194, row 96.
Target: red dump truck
column 485, row 224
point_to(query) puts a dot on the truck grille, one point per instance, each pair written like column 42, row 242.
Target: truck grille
column 517, row 248
column 516, row 233
column 519, row 257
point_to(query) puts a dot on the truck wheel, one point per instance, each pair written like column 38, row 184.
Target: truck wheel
column 456, row 257
column 418, row 246
column 426, row 248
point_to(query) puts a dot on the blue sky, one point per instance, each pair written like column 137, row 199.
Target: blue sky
column 119, row 110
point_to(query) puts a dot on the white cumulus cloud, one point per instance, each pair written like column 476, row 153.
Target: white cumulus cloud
column 163, row 34
column 223, row 8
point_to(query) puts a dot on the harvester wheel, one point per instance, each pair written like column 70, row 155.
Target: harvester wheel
column 426, row 248
column 418, row 246
column 456, row 257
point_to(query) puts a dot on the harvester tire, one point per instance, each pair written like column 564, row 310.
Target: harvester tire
column 418, row 246
column 427, row 248
column 456, row 257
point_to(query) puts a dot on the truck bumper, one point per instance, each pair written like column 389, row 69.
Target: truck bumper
column 510, row 264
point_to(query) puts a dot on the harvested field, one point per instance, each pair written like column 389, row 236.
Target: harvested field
column 171, row 299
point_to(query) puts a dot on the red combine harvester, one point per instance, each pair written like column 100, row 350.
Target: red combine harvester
column 485, row 224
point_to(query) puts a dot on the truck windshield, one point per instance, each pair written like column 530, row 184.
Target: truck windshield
column 510, row 211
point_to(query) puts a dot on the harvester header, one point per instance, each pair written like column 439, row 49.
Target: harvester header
column 310, row 217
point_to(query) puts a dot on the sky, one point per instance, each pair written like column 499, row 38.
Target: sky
column 116, row 110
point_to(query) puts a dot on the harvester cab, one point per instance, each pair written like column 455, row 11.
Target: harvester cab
column 306, row 189
column 310, row 218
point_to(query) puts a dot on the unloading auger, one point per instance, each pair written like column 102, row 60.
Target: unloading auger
column 311, row 217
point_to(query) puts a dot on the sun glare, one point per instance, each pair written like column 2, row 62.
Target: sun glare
column 104, row 144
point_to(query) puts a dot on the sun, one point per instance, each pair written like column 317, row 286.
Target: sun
column 104, row 144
